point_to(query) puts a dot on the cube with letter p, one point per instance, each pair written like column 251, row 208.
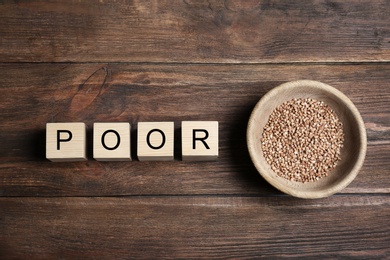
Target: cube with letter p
column 66, row 142
column 199, row 140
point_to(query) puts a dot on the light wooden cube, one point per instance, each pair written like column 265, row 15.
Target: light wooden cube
column 199, row 140
column 155, row 141
column 111, row 141
column 66, row 142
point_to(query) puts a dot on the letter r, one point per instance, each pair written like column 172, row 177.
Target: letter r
column 202, row 139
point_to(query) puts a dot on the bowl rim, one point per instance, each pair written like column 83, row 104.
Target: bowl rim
column 348, row 104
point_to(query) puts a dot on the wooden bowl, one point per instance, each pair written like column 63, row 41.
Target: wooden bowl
column 352, row 154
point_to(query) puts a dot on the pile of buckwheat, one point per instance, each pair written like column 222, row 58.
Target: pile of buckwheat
column 302, row 140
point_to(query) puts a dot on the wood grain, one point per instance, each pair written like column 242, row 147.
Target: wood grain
column 217, row 31
column 161, row 60
column 202, row 227
column 33, row 94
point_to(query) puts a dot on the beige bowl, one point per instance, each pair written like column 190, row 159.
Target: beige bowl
column 352, row 154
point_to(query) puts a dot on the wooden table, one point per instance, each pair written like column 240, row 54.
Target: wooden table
column 97, row 61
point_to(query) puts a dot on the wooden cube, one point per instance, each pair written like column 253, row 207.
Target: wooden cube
column 199, row 140
column 66, row 142
column 155, row 141
column 111, row 141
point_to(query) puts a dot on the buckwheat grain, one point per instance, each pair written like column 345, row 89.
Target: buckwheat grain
column 302, row 140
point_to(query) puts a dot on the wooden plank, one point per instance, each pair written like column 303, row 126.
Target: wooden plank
column 194, row 227
column 194, row 31
column 33, row 94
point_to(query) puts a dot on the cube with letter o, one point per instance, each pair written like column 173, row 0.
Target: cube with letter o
column 155, row 141
column 111, row 141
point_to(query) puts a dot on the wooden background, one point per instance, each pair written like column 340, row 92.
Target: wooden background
column 96, row 61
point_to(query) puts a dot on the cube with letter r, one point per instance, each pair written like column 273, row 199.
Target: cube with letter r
column 199, row 140
column 66, row 142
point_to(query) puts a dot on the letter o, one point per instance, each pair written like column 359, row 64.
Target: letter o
column 117, row 136
column 148, row 139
